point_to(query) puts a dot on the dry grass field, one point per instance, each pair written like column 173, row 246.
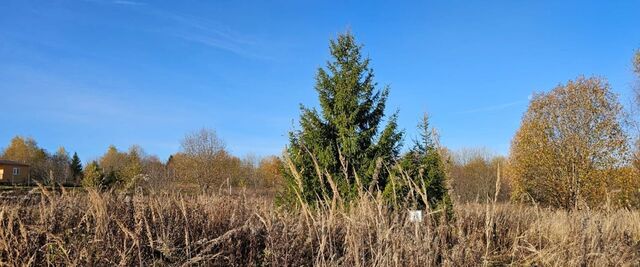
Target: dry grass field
column 109, row 229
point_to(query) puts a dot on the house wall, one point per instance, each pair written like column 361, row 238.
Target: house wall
column 8, row 177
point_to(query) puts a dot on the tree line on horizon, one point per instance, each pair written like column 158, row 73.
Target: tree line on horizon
column 203, row 163
column 472, row 170
column 577, row 146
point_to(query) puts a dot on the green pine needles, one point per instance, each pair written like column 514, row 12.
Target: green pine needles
column 419, row 180
column 76, row 167
column 336, row 150
column 348, row 146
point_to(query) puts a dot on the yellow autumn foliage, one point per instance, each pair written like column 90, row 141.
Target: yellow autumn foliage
column 571, row 149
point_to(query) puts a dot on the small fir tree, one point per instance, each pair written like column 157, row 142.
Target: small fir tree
column 76, row 167
column 424, row 168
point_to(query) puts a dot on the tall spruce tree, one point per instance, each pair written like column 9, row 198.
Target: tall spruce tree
column 343, row 147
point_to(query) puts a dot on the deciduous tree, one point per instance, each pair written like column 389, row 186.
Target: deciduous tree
column 133, row 170
column 93, row 175
column 26, row 150
column 113, row 162
column 202, row 160
column 270, row 172
column 570, row 146
column 474, row 174
column 60, row 162
column 122, row 169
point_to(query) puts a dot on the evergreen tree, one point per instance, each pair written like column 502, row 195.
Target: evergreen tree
column 342, row 147
column 76, row 167
column 423, row 165
column 110, row 179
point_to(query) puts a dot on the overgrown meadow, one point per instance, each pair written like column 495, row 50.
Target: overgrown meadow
column 108, row 229
column 342, row 191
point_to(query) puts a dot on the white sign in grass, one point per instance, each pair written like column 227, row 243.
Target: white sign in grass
column 415, row 215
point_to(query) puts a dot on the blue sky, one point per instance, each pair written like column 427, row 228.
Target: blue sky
column 87, row 74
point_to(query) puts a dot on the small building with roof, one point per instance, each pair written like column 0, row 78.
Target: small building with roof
column 13, row 172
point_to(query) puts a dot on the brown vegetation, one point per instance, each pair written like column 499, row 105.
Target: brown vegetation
column 107, row 229
column 473, row 174
column 636, row 69
column 204, row 161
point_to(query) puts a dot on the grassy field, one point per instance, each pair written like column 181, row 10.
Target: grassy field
column 107, row 229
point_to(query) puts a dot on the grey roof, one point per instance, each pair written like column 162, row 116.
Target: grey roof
column 10, row 162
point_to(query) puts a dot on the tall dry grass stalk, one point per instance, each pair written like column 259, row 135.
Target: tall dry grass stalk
column 107, row 229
